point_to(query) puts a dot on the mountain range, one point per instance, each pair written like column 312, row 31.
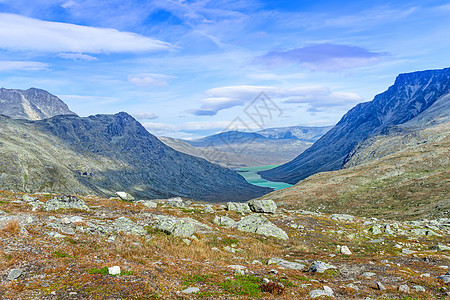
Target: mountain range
column 411, row 95
column 100, row 155
column 235, row 149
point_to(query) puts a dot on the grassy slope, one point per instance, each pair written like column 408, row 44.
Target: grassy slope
column 411, row 181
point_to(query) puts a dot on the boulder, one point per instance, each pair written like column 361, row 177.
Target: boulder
column 65, row 202
column 176, row 202
column 260, row 225
column 125, row 196
column 28, row 198
column 342, row 217
column 177, row 227
column 126, row 225
column 238, row 207
column 320, row 267
column 114, row 270
column 286, row 264
column 14, row 274
column 263, row 206
column 224, row 221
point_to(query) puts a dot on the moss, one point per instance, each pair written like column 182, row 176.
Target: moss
column 242, row 285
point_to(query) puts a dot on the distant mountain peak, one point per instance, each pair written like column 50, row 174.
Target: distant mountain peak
column 410, row 95
column 31, row 104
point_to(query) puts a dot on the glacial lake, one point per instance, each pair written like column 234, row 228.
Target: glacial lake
column 250, row 174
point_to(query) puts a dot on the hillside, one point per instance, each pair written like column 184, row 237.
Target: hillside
column 60, row 247
column 103, row 154
column 410, row 95
column 31, row 104
column 403, row 174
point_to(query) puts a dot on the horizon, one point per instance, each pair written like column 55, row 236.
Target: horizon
column 188, row 69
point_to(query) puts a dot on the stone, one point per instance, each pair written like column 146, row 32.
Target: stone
column 328, row 289
column 65, row 202
column 239, row 272
column 76, row 219
column 320, row 267
column 176, row 202
column 149, row 204
column 342, row 217
column 191, row 290
column 344, row 250
column 286, row 264
column 418, row 288
column 14, row 274
column 28, row 198
column 114, row 270
column 375, row 229
column 388, row 229
column 380, row 286
column 408, row 251
column 421, row 231
column 238, row 207
column 224, row 221
column 126, row 225
column 177, row 227
column 260, row 225
column 404, row 289
column 263, row 206
column 445, row 278
column 209, row 209
column 187, row 241
column 440, row 247
column 124, row 196
column 65, row 220
column 352, row 286
column 368, row 274
column 321, row 293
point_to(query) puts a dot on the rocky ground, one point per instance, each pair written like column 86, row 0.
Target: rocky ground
column 67, row 247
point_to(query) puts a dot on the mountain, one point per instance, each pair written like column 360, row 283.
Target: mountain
column 303, row 133
column 236, row 149
column 103, row 154
column 31, row 104
column 411, row 95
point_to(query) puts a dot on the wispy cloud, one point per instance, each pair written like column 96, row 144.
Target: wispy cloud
column 149, row 80
column 316, row 97
column 77, row 56
column 145, row 116
column 10, row 65
column 88, row 99
column 27, row 34
column 324, row 57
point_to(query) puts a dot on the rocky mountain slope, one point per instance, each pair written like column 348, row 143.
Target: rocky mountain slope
column 103, row 154
column 67, row 247
column 411, row 95
column 31, row 104
column 234, row 149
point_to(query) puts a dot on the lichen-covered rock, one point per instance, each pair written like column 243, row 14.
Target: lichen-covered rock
column 176, row 202
column 260, row 225
column 28, row 198
column 65, row 202
column 238, row 207
column 126, row 225
column 125, row 196
column 224, row 221
column 342, row 217
column 148, row 203
column 177, row 227
column 263, row 206
column 286, row 264
column 320, row 267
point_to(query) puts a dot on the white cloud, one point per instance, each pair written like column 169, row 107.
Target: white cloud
column 27, row 34
column 145, row 116
column 69, row 4
column 149, row 80
column 316, row 97
column 77, row 56
column 10, row 65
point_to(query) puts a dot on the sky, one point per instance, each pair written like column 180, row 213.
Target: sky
column 187, row 69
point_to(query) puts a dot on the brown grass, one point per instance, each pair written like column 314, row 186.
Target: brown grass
column 12, row 228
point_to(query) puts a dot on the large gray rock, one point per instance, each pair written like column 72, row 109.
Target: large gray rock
column 125, row 196
column 225, row 221
column 327, row 292
column 126, row 225
column 260, row 225
column 14, row 274
column 263, row 206
column 177, row 227
column 176, row 202
column 65, row 202
column 238, row 207
column 320, row 267
column 286, row 264
column 28, row 198
column 342, row 217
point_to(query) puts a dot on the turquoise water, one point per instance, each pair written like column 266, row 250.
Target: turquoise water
column 250, row 175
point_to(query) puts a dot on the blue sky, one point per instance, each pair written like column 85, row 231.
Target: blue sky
column 189, row 68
